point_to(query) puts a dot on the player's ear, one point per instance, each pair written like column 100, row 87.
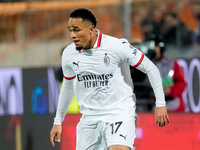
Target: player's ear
column 92, row 29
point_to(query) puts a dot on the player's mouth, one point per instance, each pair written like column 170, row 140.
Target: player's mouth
column 76, row 42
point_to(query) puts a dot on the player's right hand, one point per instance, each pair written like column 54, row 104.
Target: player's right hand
column 55, row 134
column 161, row 116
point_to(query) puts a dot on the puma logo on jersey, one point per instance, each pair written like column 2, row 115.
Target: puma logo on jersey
column 76, row 63
column 123, row 136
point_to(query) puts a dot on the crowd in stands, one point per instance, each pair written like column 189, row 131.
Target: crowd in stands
column 181, row 41
column 163, row 42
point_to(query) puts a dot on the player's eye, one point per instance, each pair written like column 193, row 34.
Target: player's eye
column 76, row 30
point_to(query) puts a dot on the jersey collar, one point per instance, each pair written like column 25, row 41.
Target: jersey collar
column 98, row 41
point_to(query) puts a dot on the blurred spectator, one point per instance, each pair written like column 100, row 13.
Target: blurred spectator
column 172, row 75
column 174, row 32
column 194, row 51
column 148, row 27
column 196, row 14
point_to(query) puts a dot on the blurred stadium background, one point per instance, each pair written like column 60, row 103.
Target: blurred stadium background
column 32, row 36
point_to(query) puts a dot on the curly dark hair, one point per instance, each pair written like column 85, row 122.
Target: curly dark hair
column 85, row 14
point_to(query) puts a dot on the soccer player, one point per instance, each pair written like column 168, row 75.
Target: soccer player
column 96, row 69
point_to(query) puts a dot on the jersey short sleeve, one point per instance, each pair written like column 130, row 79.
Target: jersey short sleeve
column 130, row 54
column 68, row 72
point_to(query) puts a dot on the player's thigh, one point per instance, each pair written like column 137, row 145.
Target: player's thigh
column 121, row 132
column 119, row 147
column 89, row 137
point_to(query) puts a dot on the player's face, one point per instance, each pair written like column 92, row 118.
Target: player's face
column 80, row 33
column 158, row 53
column 196, row 10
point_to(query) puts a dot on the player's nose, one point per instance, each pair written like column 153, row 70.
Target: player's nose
column 72, row 35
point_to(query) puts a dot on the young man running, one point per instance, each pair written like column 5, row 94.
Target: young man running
column 96, row 69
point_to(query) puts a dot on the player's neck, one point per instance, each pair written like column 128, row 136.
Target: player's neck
column 92, row 41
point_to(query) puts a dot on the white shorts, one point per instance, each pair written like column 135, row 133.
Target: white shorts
column 100, row 135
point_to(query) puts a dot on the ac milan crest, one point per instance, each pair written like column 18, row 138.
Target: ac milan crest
column 106, row 60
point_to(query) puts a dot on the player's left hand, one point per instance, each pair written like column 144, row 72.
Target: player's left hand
column 161, row 116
